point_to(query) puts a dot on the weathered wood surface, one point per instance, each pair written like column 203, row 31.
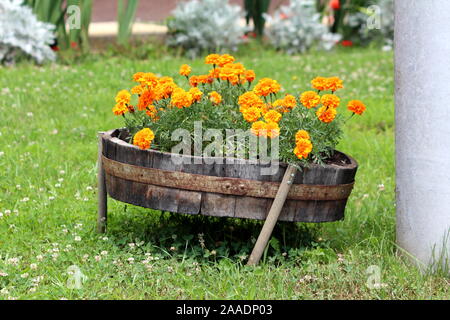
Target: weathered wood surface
column 160, row 197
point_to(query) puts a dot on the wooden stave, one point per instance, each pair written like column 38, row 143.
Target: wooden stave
column 221, row 205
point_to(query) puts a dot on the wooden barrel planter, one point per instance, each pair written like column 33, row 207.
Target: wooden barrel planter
column 233, row 188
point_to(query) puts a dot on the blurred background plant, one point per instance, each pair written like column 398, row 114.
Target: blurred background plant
column 205, row 26
column 22, row 33
column 125, row 18
column 71, row 18
column 297, row 27
column 256, row 10
column 361, row 22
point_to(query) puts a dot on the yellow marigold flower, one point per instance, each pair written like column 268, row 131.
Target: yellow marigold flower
column 334, row 84
column 319, row 83
column 137, row 89
column 266, row 86
column 138, row 76
column 185, row 70
column 356, row 106
column 252, row 114
column 326, row 114
column 212, row 59
column 123, row 97
column 310, row 99
column 120, row 109
column 249, row 75
column 181, row 98
column 272, row 116
column 273, row 130
column 145, row 99
column 303, row 148
column 215, row 97
column 196, row 94
column 225, row 59
column 302, row 134
column 259, row 128
column 330, row 100
column 143, row 138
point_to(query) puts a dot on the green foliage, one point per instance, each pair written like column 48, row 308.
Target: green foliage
column 125, row 17
column 57, row 13
column 255, row 12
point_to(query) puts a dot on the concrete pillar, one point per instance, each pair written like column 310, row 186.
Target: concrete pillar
column 422, row 117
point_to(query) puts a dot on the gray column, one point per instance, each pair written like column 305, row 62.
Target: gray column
column 422, row 117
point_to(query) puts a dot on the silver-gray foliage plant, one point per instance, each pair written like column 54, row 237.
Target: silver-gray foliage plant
column 210, row 25
column 21, row 30
column 296, row 27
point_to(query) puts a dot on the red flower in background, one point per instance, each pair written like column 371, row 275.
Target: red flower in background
column 283, row 16
column 335, row 4
column 347, row 43
column 74, row 45
column 54, row 48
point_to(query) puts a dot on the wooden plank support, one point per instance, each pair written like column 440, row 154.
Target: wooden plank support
column 102, row 197
column 223, row 185
column 273, row 215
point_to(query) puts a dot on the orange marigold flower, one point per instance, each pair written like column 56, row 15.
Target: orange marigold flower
column 310, row 99
column 123, row 97
column 330, row 100
column 205, row 78
column 212, row 59
column 214, row 73
column 249, row 75
column 319, row 83
column 249, row 99
column 334, row 84
column 356, row 106
column 225, row 59
column 152, row 112
column 273, row 130
column 252, row 114
column 196, row 94
column 272, row 116
column 326, row 114
column 149, row 79
column 266, row 86
column 181, row 98
column 194, row 81
column 259, row 128
column 227, row 73
column 143, row 138
column 215, row 97
column 303, row 148
column 302, row 134
column 120, row 109
column 185, row 70
column 145, row 99
column 289, row 101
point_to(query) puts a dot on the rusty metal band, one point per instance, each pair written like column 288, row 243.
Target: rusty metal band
column 222, row 185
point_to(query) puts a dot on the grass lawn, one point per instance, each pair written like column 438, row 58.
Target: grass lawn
column 49, row 119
